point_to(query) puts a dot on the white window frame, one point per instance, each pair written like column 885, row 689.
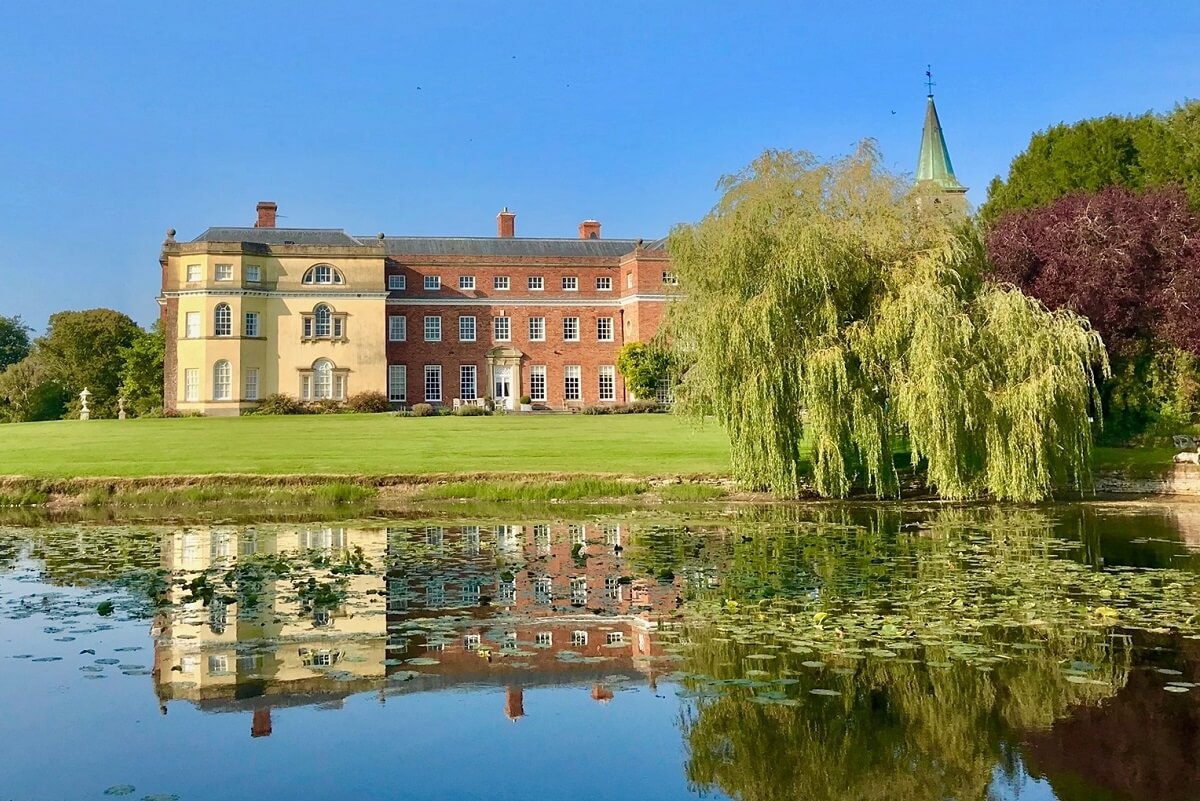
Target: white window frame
column 466, row 282
column 195, row 273
column 466, row 328
column 396, row 282
column 250, row 388
column 536, row 283
column 191, row 325
column 604, row 283
column 572, row 382
column 250, row 323
column 322, row 379
column 614, row 638
column 629, row 280
column 606, row 379
column 544, row 639
column 223, row 272
column 397, row 328
column 433, row 328
column 253, row 274
column 570, row 329
column 222, row 320
column 398, row 383
column 468, row 376
column 432, row 283
column 191, row 385
column 603, row 323
column 222, row 385
column 537, row 329
column 537, row 383
column 579, row 638
column 500, row 283
column 433, row 383
column 501, row 329
column 570, row 283
column 669, row 278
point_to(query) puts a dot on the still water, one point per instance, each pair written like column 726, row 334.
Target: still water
column 827, row 652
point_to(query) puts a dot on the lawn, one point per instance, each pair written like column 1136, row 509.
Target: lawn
column 353, row 444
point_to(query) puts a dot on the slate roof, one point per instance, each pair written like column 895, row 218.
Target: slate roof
column 431, row 245
column 501, row 247
column 280, row 236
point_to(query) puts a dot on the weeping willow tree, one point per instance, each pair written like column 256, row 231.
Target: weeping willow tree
column 826, row 307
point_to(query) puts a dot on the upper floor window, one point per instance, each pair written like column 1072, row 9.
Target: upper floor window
column 570, row 329
column 222, row 320
column 323, row 274
column 570, row 283
column 433, row 329
column 195, row 272
column 224, row 272
column 500, row 282
column 433, row 283
column 251, row 324
column 629, row 280
column 466, row 328
column 397, row 328
column 324, row 323
column 604, row 329
column 669, row 278
column 466, row 282
column 537, row 283
column 253, row 273
column 604, row 283
column 396, row 282
column 501, row 329
column 191, row 326
column 537, row 329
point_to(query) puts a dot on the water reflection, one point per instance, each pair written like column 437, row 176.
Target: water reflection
column 830, row 652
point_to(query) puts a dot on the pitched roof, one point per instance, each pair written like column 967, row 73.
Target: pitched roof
column 497, row 246
column 280, row 236
column 933, row 163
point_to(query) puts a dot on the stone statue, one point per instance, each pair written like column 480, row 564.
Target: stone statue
column 120, row 408
column 84, row 412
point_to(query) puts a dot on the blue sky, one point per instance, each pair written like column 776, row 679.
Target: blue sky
column 119, row 120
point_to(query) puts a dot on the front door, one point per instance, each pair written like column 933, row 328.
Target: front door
column 503, row 390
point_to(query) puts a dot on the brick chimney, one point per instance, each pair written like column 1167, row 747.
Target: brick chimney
column 589, row 229
column 266, row 214
column 506, row 224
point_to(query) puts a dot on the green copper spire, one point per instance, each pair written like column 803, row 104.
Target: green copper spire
column 934, row 162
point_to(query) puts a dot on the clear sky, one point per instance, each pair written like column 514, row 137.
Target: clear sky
column 119, row 120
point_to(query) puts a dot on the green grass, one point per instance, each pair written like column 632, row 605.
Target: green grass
column 28, row 497
column 571, row 490
column 1139, row 462
column 689, row 492
column 333, row 494
column 353, row 444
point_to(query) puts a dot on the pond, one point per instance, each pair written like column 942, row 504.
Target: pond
column 791, row 652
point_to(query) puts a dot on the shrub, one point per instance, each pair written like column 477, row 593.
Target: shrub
column 280, row 404
column 637, row 407
column 526, row 400
column 598, row 410
column 489, row 404
column 423, row 410
column 646, row 407
column 470, row 411
column 326, row 406
column 368, row 403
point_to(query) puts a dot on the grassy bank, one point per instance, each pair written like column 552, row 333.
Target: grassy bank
column 357, row 445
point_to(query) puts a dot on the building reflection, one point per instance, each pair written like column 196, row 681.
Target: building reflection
column 512, row 605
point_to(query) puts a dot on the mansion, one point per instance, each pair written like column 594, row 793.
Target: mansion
column 320, row 314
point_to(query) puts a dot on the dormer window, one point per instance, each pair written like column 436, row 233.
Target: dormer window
column 323, row 274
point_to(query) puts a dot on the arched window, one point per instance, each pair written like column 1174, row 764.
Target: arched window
column 222, row 380
column 322, row 379
column 323, row 274
column 324, row 319
column 223, row 320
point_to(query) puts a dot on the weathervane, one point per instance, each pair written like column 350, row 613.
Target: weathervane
column 929, row 84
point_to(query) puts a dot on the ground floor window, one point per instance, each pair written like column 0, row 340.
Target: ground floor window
column 608, row 382
column 191, row 384
column 397, row 383
column 433, row 383
column 467, row 375
column 323, row 382
column 664, row 393
column 537, row 382
column 222, row 380
column 571, row 382
column 251, row 388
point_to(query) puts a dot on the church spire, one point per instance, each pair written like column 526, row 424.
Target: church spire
column 933, row 163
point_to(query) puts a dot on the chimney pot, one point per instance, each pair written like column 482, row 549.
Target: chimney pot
column 506, row 224
column 589, row 229
column 266, row 214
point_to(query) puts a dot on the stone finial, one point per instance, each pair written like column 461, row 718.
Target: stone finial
column 120, row 408
column 379, row 236
column 170, row 234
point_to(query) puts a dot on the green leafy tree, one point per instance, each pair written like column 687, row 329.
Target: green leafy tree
column 83, row 349
column 826, row 312
column 142, row 372
column 14, row 341
column 29, row 391
column 1135, row 152
column 643, row 366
